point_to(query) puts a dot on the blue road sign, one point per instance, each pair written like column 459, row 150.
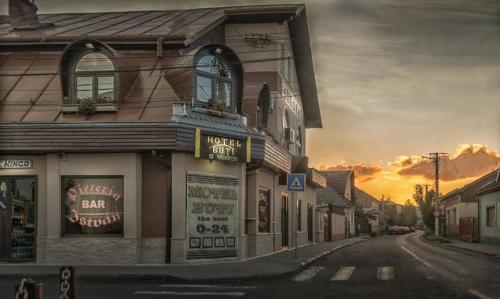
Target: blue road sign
column 296, row 182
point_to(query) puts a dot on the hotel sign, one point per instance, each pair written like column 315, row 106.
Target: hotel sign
column 214, row 147
column 211, row 216
column 16, row 164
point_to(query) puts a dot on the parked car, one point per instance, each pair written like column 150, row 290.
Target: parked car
column 394, row 230
column 405, row 229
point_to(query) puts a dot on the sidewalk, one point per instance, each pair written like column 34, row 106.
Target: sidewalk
column 487, row 249
column 267, row 266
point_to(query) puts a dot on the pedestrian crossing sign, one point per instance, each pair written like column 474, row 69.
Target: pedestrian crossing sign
column 296, row 182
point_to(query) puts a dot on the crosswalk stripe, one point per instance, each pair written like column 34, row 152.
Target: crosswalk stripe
column 174, row 293
column 308, row 274
column 344, row 273
column 385, row 273
column 204, row 286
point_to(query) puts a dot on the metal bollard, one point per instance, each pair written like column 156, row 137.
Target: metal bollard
column 68, row 282
column 28, row 289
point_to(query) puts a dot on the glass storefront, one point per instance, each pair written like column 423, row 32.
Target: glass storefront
column 17, row 218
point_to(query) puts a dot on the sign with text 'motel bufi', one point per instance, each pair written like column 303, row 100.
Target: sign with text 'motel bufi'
column 16, row 164
column 211, row 216
column 221, row 148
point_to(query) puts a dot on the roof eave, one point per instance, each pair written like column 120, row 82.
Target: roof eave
column 299, row 33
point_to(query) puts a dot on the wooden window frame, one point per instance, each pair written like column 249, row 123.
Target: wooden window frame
column 491, row 220
column 214, row 80
column 95, row 77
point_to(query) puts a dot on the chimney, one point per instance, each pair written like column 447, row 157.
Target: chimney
column 22, row 14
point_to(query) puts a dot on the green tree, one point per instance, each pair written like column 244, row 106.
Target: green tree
column 425, row 204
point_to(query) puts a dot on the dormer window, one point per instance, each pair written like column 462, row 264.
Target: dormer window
column 215, row 81
column 94, row 78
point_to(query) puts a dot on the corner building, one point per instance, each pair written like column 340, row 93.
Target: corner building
column 155, row 136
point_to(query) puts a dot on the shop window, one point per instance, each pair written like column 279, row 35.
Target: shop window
column 263, row 107
column 299, row 215
column 17, row 218
column 264, row 210
column 92, row 205
column 490, row 217
column 94, row 78
column 215, row 81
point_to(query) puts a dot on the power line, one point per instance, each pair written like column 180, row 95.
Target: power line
column 142, row 69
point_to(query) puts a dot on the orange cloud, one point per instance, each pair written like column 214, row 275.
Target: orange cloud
column 359, row 169
column 468, row 161
column 398, row 179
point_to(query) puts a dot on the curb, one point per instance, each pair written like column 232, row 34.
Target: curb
column 458, row 248
column 177, row 279
column 327, row 252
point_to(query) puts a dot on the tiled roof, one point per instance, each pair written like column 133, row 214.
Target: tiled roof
column 183, row 26
column 211, row 123
column 364, row 199
column 468, row 192
column 338, row 179
column 328, row 195
column 492, row 185
column 38, row 98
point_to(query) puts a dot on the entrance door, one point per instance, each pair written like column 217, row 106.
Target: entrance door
column 284, row 220
column 326, row 227
column 17, row 218
column 310, row 223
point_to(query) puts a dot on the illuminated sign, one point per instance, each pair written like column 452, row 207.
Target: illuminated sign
column 93, row 205
column 221, row 148
column 16, row 164
column 212, row 216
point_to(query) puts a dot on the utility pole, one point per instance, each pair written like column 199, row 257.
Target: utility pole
column 435, row 157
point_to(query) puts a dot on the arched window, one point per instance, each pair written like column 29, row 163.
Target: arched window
column 299, row 141
column 215, row 82
column 95, row 78
column 286, row 129
column 263, row 107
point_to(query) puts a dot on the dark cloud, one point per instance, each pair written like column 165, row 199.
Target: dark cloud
column 469, row 161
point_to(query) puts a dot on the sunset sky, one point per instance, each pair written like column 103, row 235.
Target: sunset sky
column 396, row 80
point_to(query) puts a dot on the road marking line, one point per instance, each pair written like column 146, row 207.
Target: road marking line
column 308, row 274
column 343, row 273
column 478, row 294
column 219, row 294
column 385, row 273
column 204, row 286
column 416, row 257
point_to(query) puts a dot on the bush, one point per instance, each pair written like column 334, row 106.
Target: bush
column 87, row 107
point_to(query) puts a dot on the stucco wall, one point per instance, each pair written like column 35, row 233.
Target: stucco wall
column 338, row 226
column 280, row 37
column 490, row 235
column 93, row 250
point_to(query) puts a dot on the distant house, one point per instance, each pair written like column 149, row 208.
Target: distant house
column 335, row 211
column 461, row 210
column 342, row 182
column 370, row 207
column 489, row 206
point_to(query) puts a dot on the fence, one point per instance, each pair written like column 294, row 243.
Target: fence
column 468, row 229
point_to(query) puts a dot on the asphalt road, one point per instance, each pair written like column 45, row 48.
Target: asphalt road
column 385, row 267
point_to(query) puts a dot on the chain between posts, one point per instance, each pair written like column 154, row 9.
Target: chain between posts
column 22, row 291
column 65, row 282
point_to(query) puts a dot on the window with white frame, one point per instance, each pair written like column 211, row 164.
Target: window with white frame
column 94, row 78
